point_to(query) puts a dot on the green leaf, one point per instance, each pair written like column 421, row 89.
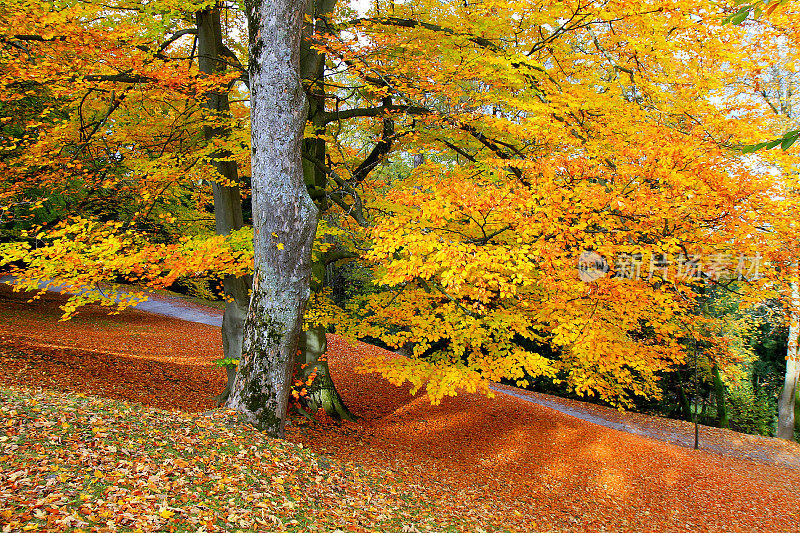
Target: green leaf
column 740, row 16
column 759, row 146
column 789, row 139
column 772, row 144
column 752, row 148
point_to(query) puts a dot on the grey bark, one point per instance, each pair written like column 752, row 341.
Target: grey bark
column 227, row 198
column 719, row 397
column 284, row 216
column 786, row 402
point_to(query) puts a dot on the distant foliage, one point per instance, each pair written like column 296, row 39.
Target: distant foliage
column 752, row 411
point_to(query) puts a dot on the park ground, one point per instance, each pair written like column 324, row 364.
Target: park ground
column 108, row 425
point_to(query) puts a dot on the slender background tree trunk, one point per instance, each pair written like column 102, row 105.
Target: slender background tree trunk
column 284, row 216
column 227, row 198
column 719, row 398
column 786, row 402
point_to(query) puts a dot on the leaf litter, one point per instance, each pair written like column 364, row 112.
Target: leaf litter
column 76, row 462
column 84, row 463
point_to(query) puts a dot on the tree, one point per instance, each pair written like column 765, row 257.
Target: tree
column 571, row 136
column 311, row 366
column 284, row 216
column 213, row 57
column 777, row 91
column 70, row 253
column 596, row 131
column 786, row 402
column 103, row 167
column 105, row 202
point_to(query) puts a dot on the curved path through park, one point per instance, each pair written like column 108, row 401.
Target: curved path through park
column 724, row 442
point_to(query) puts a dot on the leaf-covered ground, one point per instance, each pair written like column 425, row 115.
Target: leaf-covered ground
column 83, row 462
column 469, row 464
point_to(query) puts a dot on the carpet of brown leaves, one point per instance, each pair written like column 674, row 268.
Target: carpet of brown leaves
column 155, row 360
column 501, row 461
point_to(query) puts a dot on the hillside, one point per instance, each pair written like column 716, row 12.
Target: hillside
column 469, row 464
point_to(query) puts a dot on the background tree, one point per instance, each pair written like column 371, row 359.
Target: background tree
column 97, row 162
column 140, row 135
column 214, row 57
column 776, row 86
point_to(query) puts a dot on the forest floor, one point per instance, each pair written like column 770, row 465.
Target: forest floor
column 98, row 462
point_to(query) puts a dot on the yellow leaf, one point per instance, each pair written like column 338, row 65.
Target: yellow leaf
column 166, row 513
column 280, row 246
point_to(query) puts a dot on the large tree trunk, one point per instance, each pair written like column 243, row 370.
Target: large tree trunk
column 227, row 198
column 284, row 216
column 786, row 402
